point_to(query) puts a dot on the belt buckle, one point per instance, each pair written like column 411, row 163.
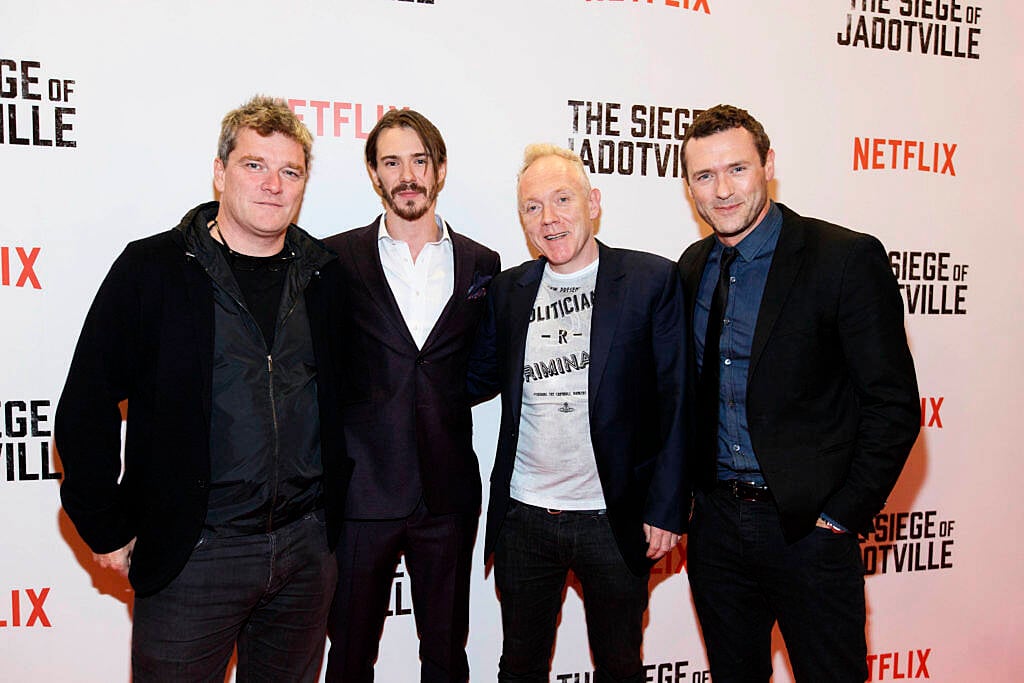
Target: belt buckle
column 748, row 493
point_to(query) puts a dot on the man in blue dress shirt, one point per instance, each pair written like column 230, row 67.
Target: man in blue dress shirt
column 807, row 407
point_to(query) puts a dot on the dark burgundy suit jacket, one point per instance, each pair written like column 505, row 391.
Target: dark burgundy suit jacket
column 405, row 411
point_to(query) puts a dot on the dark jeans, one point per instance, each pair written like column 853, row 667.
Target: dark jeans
column 744, row 577
column 438, row 557
column 268, row 592
column 533, row 555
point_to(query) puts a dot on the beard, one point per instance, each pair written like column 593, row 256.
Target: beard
column 409, row 210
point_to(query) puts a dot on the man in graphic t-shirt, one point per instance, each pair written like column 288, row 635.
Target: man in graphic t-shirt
column 587, row 347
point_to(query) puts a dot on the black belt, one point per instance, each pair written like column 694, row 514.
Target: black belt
column 751, row 493
column 554, row 511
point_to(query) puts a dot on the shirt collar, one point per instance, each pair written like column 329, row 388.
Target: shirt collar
column 765, row 234
column 382, row 231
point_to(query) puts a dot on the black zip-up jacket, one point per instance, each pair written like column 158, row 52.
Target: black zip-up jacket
column 148, row 339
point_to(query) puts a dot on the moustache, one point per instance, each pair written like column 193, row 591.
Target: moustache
column 408, row 187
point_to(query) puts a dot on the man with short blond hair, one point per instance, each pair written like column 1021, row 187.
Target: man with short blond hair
column 587, row 347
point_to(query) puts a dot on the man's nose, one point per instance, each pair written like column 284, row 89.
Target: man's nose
column 272, row 183
column 723, row 186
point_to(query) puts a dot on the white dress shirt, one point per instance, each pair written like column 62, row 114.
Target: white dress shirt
column 421, row 288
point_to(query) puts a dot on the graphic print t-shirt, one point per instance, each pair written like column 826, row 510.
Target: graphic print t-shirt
column 555, row 466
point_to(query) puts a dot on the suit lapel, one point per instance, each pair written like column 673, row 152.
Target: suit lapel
column 786, row 263
column 520, row 304
column 464, row 261
column 609, row 294
column 366, row 256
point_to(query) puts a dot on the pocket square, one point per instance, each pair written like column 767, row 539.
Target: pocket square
column 478, row 288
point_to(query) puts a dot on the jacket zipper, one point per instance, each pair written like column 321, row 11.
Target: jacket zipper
column 277, row 432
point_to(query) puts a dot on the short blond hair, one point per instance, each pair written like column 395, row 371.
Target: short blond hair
column 265, row 115
column 540, row 150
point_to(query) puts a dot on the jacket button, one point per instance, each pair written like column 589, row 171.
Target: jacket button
column 421, row 361
column 201, row 483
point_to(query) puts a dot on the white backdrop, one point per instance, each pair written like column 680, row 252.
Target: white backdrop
column 109, row 114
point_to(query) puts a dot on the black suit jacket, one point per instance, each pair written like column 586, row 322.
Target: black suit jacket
column 832, row 400
column 636, row 391
column 405, row 411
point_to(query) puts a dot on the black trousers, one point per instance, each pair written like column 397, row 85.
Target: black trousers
column 438, row 553
column 267, row 593
column 744, row 577
column 534, row 554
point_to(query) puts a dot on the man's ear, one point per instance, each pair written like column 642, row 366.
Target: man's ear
column 218, row 175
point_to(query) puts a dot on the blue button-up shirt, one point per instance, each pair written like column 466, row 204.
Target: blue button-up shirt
column 748, row 274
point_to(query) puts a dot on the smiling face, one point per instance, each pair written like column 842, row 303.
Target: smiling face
column 405, row 176
column 558, row 212
column 728, row 182
column 261, row 187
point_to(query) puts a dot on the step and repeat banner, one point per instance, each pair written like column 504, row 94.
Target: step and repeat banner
column 901, row 118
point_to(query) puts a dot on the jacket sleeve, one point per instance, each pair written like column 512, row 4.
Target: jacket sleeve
column 874, row 346
column 87, row 429
column 482, row 374
column 668, row 502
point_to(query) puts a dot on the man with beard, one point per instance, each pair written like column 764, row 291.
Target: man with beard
column 414, row 292
column 807, row 409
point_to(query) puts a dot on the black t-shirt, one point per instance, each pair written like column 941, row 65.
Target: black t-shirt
column 261, row 279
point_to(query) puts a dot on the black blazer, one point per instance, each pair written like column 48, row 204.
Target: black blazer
column 832, row 401
column 636, row 391
column 405, row 411
column 148, row 338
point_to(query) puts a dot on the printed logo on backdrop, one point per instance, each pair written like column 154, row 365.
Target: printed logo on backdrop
column 400, row 604
column 906, row 664
column 25, row 441
column 895, row 154
column 908, row 542
column 18, row 267
column 337, row 119
column 25, row 609
column 663, row 672
column 613, row 138
column 940, row 28
column 931, row 417
column 695, row 5
column 35, row 106
column 931, row 282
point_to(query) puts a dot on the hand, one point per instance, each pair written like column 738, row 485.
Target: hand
column 659, row 541
column 119, row 560
column 831, row 527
